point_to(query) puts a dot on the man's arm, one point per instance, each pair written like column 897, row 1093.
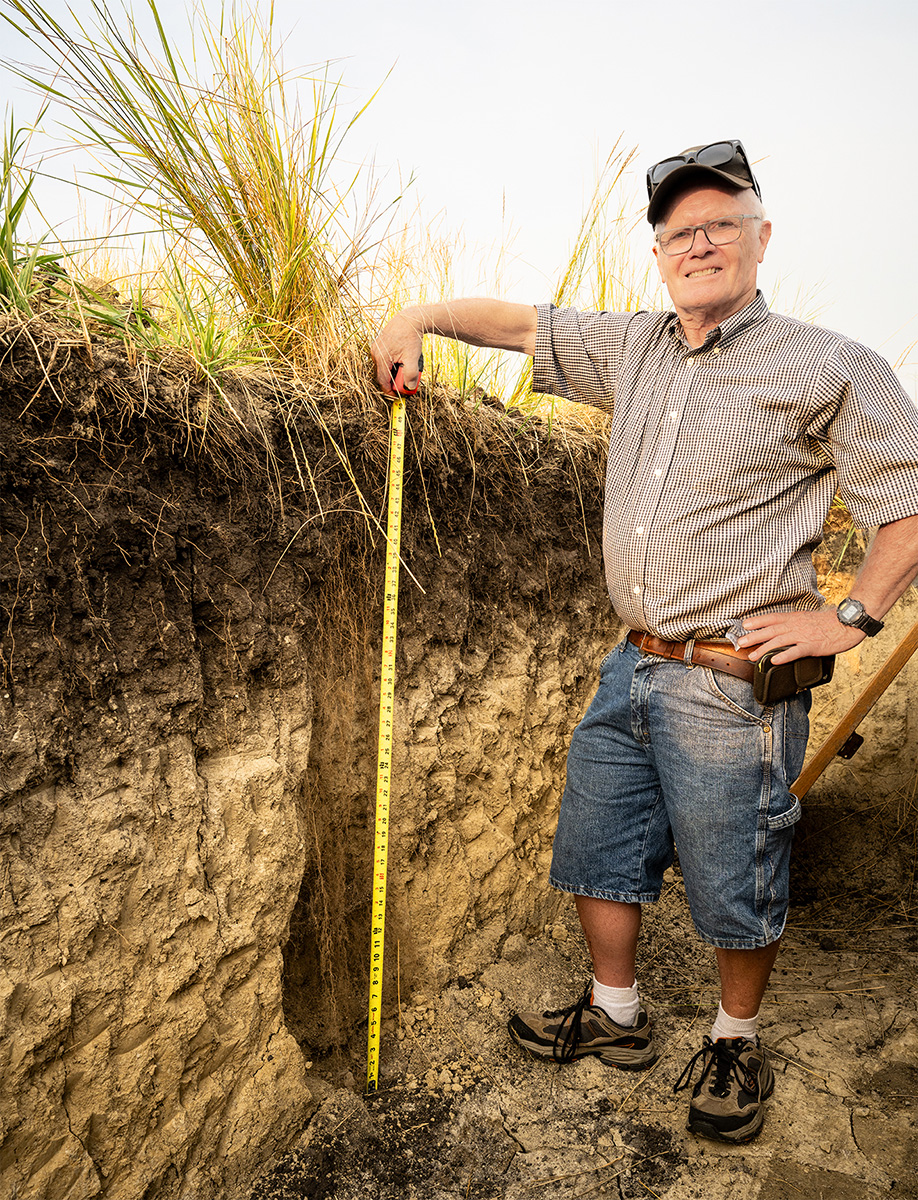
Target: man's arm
column 890, row 566
column 495, row 323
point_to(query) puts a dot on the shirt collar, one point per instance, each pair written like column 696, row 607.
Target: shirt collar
column 754, row 313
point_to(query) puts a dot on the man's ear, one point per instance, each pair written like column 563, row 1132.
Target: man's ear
column 764, row 237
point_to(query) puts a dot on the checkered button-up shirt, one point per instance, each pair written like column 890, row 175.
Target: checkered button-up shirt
column 723, row 461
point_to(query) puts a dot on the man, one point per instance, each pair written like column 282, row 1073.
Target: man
column 732, row 428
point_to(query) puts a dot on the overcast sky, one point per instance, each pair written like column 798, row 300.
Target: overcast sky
column 501, row 111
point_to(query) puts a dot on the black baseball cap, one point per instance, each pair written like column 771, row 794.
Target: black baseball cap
column 718, row 162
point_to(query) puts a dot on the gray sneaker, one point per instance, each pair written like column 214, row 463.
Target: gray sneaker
column 728, row 1101
column 583, row 1028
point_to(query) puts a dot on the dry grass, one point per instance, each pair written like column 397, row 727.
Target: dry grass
column 602, row 272
column 232, row 174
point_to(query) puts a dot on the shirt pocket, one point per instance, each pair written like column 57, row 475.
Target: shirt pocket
column 742, row 451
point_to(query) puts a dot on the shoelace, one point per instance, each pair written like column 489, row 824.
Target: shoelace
column 567, row 1039
column 726, row 1064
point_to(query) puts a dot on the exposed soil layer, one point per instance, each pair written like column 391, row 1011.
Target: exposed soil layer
column 192, row 598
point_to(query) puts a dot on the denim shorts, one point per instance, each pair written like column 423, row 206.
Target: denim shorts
column 673, row 754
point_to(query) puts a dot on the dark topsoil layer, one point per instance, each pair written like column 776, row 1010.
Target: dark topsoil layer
column 129, row 491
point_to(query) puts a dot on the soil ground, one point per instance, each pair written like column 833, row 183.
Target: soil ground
column 461, row 1112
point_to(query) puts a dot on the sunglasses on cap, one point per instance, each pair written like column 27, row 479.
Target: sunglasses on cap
column 728, row 157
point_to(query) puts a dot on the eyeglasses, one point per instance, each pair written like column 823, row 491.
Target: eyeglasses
column 727, row 156
column 719, row 232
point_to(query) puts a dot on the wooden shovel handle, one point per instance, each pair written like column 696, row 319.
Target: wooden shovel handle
column 853, row 717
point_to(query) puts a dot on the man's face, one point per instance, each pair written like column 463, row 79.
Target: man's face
column 710, row 283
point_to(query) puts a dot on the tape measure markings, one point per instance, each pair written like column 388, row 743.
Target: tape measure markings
column 386, row 725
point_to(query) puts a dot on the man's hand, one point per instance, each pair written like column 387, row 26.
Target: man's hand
column 887, row 570
column 397, row 342
column 803, row 633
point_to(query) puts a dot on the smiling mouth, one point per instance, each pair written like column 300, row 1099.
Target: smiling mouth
column 706, row 271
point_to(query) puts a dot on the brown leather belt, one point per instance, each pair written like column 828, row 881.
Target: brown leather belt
column 720, row 656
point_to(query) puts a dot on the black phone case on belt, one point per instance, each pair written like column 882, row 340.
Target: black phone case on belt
column 773, row 683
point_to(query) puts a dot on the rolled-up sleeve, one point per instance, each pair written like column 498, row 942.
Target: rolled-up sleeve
column 579, row 355
column 873, row 437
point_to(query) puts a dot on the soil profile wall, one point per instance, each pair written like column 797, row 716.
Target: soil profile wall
column 190, row 661
column 189, row 711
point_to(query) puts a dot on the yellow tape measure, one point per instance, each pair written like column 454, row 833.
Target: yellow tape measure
column 384, row 756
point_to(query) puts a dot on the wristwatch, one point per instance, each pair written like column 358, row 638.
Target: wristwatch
column 851, row 612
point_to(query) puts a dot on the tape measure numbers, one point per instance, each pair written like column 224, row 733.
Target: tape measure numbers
column 386, row 723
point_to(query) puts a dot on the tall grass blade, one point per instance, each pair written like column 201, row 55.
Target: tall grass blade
column 26, row 271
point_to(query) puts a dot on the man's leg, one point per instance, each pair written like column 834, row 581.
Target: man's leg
column 613, row 839
column 736, row 1077
column 744, row 975
column 611, row 931
column 725, row 765
column 618, row 1032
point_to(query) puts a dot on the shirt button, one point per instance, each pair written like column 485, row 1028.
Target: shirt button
column 637, row 591
column 658, row 472
column 674, row 415
column 639, row 531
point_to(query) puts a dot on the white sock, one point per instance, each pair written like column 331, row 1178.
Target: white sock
column 621, row 1004
column 726, row 1026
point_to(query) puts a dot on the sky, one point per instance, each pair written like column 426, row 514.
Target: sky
column 499, row 112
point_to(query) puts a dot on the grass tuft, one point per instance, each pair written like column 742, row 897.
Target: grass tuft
column 269, row 272
column 231, row 174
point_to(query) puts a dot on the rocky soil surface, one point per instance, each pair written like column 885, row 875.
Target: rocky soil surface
column 461, row 1112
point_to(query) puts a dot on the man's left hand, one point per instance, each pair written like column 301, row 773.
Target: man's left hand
column 803, row 633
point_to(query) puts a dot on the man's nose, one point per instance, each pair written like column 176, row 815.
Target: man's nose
column 702, row 246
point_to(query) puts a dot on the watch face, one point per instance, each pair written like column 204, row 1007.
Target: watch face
column 850, row 611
